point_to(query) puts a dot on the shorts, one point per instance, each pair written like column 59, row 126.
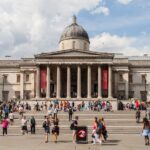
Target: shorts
column 24, row 128
column 55, row 130
column 74, row 132
column 47, row 130
column 146, row 132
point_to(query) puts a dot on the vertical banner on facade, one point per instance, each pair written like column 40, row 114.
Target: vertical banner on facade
column 43, row 79
column 105, row 79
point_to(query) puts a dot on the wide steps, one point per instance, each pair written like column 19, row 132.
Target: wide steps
column 119, row 122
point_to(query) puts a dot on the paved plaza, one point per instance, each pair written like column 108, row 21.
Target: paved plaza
column 36, row 142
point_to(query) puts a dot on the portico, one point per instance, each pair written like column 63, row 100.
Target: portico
column 74, row 80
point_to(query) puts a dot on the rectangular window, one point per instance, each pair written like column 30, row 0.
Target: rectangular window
column 17, row 94
column 131, row 94
column 18, row 78
column 5, row 95
column 120, row 77
column 130, row 78
column 143, row 78
column 27, row 77
column 143, row 95
column 5, row 78
column 27, row 94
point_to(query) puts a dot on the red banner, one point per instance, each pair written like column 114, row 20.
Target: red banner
column 105, row 79
column 43, row 79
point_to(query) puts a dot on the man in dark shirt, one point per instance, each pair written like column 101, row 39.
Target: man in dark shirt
column 70, row 112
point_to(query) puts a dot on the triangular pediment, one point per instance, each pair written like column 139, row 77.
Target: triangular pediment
column 73, row 53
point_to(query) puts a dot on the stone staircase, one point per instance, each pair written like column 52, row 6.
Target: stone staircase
column 119, row 122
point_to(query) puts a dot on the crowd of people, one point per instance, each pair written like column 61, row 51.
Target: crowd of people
column 51, row 122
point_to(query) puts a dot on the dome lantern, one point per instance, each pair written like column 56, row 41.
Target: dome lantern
column 74, row 19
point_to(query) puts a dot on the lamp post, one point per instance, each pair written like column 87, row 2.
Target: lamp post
column 145, row 88
column 3, row 76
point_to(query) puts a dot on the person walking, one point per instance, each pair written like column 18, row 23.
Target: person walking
column 55, row 111
column 5, row 125
column 32, row 125
column 148, row 111
column 104, row 130
column 74, row 127
column 11, row 118
column 46, row 126
column 55, row 129
column 138, row 115
column 146, row 130
column 70, row 112
column 24, row 122
column 6, row 111
column 95, row 134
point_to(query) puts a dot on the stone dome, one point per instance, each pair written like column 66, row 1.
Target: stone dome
column 74, row 31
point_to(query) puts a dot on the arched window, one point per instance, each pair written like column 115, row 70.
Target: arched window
column 73, row 44
column 62, row 45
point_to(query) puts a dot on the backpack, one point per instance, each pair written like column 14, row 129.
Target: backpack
column 72, row 126
column 99, row 128
column 44, row 124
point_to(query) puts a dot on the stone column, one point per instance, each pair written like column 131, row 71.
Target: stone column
column 78, row 82
column 48, row 82
column 58, row 82
column 89, row 82
column 99, row 83
column 68, row 82
column 126, row 78
column 38, row 82
column 22, row 85
column 109, row 81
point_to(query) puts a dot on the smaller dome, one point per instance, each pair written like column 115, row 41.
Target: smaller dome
column 74, row 31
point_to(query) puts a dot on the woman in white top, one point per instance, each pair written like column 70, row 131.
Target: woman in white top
column 11, row 118
column 24, row 122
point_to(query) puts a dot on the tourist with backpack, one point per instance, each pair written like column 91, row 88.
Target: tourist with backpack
column 46, row 126
column 104, row 130
column 74, row 127
column 32, row 125
column 99, row 130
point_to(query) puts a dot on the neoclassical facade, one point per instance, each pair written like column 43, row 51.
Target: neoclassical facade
column 74, row 72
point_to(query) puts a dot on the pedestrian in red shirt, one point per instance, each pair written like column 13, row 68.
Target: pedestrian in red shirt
column 5, row 126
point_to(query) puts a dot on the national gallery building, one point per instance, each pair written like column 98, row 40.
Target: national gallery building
column 74, row 72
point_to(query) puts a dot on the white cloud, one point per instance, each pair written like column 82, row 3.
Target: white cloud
column 29, row 27
column 125, row 2
column 119, row 44
column 101, row 10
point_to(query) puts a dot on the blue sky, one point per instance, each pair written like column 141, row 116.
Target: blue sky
column 31, row 27
column 132, row 19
